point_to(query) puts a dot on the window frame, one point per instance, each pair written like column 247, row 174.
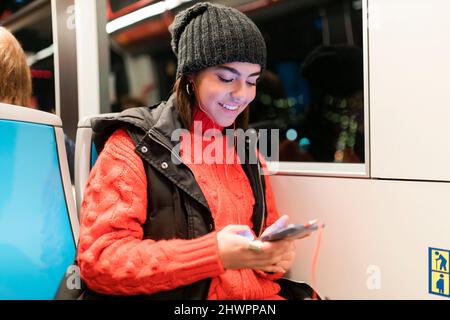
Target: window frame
column 327, row 169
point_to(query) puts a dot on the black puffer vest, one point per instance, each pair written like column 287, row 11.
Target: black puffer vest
column 177, row 207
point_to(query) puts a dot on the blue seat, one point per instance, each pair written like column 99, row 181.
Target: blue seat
column 38, row 220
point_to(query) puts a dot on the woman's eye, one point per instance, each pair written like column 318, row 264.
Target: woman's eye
column 224, row 79
column 251, row 84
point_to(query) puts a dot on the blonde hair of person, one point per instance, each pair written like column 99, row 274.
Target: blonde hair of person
column 15, row 75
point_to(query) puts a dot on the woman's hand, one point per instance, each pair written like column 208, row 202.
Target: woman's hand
column 282, row 222
column 286, row 262
column 236, row 253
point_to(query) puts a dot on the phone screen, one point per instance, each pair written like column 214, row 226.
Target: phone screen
column 291, row 231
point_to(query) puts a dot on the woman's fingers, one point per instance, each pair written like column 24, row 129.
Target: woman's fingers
column 280, row 223
column 273, row 269
column 271, row 252
column 237, row 251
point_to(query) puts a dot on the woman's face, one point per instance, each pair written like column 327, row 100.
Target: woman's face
column 226, row 90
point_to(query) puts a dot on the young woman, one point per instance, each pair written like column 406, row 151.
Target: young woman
column 160, row 229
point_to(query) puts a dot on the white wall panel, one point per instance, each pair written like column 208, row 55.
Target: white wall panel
column 388, row 224
column 409, row 56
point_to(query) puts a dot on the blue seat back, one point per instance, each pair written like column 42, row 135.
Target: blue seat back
column 37, row 240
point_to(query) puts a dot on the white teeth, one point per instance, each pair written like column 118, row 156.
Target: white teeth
column 228, row 107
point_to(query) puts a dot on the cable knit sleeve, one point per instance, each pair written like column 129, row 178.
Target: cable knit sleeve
column 112, row 254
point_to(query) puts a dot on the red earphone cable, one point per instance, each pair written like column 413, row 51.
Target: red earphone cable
column 315, row 258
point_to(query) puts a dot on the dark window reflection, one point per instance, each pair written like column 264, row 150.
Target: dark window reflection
column 9, row 7
column 313, row 90
column 334, row 120
column 37, row 42
column 117, row 5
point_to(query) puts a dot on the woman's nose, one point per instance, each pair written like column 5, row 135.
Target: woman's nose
column 239, row 93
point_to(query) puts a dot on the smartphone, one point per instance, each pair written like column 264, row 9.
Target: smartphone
column 292, row 231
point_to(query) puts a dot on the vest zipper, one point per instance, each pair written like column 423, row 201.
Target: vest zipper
column 263, row 199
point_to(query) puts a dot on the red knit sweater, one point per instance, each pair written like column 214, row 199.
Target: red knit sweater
column 115, row 259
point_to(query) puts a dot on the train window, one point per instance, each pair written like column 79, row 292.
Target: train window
column 9, row 7
column 35, row 35
column 116, row 5
column 312, row 92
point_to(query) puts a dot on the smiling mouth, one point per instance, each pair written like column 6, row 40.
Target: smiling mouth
column 228, row 107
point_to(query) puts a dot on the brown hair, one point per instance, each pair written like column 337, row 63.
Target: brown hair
column 184, row 103
column 15, row 76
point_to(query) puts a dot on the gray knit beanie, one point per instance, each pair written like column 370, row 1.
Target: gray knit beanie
column 207, row 35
